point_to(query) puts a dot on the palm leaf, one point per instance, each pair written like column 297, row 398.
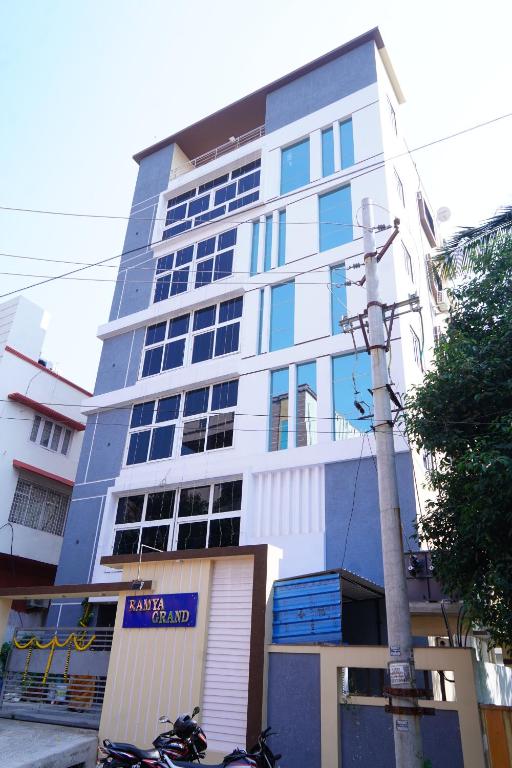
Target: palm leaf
column 459, row 253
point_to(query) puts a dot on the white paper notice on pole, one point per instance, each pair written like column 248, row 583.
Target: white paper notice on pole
column 394, row 650
column 399, row 672
column 402, row 725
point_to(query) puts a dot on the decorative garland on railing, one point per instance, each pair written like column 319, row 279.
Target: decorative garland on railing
column 52, row 644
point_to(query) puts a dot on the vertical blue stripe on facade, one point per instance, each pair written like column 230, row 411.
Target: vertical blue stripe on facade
column 347, row 144
column 255, row 247
column 327, row 152
column 281, row 248
column 267, row 264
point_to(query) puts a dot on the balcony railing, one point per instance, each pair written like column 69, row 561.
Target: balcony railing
column 224, row 149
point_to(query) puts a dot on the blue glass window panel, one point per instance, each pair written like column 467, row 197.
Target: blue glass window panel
column 142, row 414
column 295, row 166
column 281, row 245
column 335, row 218
column 227, row 239
column 306, row 405
column 213, row 183
column 184, row 256
column 196, row 401
column 176, row 230
column 205, row 317
column 230, row 309
column 338, row 297
column 138, row 448
column 226, row 193
column 161, row 443
column 203, row 347
column 173, row 357
column 346, row 416
column 260, row 320
column 245, row 169
column 178, row 326
column 152, row 361
column 204, row 272
column 168, row 408
column 279, row 401
column 165, row 263
column 199, row 205
column 327, row 152
column 279, row 382
column 224, row 395
column 283, row 435
column 282, row 316
column 179, row 281
column 347, row 144
column 155, row 333
column 175, row 214
column 181, row 198
column 162, row 288
column 206, row 247
column 210, row 215
column 244, row 201
column 255, row 247
column 267, row 263
column 227, row 339
column 194, row 433
column 223, row 265
column 249, row 182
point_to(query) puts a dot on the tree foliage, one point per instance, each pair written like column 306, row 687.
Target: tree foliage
column 462, row 414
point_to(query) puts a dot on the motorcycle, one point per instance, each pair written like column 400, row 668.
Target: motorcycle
column 260, row 756
column 185, row 741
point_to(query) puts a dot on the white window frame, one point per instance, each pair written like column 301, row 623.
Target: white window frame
column 36, row 434
column 174, row 521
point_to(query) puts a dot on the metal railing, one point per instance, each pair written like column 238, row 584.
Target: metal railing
column 63, row 682
column 224, row 149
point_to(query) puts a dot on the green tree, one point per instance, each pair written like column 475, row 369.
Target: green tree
column 462, row 414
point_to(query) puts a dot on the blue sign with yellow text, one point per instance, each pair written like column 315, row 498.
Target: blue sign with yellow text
column 178, row 610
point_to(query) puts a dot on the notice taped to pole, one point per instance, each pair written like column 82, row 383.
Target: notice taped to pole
column 399, row 673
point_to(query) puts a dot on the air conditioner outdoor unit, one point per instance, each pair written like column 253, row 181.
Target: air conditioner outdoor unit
column 442, row 301
column 37, row 605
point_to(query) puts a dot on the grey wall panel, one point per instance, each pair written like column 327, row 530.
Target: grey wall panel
column 332, row 81
column 135, row 356
column 294, row 708
column 108, row 444
column 154, row 173
column 78, row 549
column 114, row 360
column 367, row 738
column 85, row 450
column 360, row 527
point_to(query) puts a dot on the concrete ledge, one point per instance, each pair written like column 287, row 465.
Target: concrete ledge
column 38, row 745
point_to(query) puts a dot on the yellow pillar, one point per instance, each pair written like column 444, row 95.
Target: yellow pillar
column 5, row 607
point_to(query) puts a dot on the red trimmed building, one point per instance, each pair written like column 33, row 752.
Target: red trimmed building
column 41, row 432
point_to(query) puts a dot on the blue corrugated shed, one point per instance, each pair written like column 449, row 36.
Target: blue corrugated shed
column 307, row 610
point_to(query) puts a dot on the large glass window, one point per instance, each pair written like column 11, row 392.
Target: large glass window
column 335, row 218
column 213, row 199
column 351, row 382
column 281, row 246
column 282, row 316
column 338, row 297
column 279, row 401
column 196, row 265
column 210, row 332
column 327, row 152
column 346, row 144
column 186, row 518
column 306, row 404
column 295, row 166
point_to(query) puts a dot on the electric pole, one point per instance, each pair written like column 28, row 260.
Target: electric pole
column 402, row 690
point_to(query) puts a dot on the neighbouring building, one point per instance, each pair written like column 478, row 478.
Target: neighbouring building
column 41, row 431
column 230, row 407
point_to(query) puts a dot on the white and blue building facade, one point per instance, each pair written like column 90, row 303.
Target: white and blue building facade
column 224, row 408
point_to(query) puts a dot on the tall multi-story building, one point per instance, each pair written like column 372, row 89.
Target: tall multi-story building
column 230, row 407
column 41, row 430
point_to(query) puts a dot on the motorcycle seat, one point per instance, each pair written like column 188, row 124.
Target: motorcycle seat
column 182, row 764
column 143, row 754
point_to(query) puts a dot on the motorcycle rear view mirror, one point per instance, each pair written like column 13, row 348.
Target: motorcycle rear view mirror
column 195, row 711
column 163, row 719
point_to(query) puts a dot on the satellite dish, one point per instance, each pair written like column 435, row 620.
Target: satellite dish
column 443, row 214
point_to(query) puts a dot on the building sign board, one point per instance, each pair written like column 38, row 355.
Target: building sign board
column 145, row 611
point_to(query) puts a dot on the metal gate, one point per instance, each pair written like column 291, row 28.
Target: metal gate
column 57, row 675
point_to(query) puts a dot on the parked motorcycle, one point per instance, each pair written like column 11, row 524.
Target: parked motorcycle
column 186, row 740
column 260, row 756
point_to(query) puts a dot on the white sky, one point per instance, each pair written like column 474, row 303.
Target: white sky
column 85, row 85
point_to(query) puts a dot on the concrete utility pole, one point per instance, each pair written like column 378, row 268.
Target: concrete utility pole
column 404, row 706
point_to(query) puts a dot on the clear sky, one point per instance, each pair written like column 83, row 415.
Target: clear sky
column 85, row 85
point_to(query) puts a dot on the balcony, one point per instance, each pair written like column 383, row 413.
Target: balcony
column 223, row 149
